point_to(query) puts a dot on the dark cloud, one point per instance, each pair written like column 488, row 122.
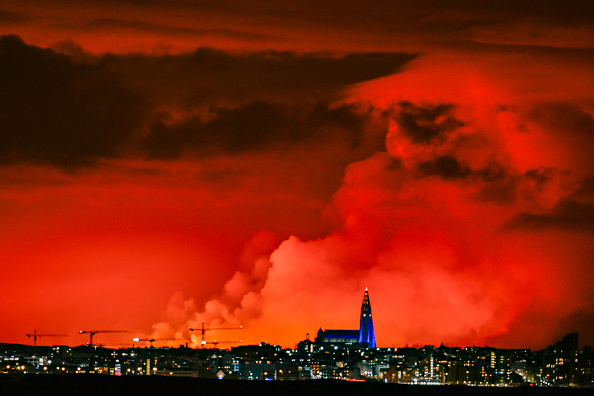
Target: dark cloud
column 69, row 108
column 446, row 167
column 219, row 78
column 540, row 176
column 135, row 25
column 323, row 25
column 586, row 191
column 497, row 185
column 254, row 126
column 570, row 127
column 574, row 213
column 425, row 123
column 73, row 50
column 55, row 110
column 501, row 191
column 11, row 17
column 567, row 215
column 403, row 14
column 493, row 172
column 564, row 118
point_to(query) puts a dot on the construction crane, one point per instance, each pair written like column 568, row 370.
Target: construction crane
column 36, row 334
column 216, row 343
column 203, row 330
column 91, row 333
column 151, row 340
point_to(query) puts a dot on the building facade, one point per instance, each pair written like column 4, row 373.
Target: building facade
column 365, row 334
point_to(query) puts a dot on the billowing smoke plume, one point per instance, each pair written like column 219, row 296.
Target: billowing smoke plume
column 472, row 226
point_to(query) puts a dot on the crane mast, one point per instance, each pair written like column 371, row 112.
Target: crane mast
column 91, row 333
column 36, row 334
column 204, row 329
column 151, row 340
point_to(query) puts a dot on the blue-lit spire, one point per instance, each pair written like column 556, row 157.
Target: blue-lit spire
column 366, row 332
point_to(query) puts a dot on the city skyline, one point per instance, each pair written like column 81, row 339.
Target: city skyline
column 332, row 355
column 169, row 164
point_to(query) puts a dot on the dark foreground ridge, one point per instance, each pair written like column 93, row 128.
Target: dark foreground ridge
column 93, row 384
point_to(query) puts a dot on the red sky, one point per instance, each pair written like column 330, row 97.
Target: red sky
column 168, row 162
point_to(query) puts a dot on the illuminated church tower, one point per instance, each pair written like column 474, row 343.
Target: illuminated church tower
column 366, row 332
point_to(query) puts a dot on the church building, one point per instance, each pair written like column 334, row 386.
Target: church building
column 365, row 334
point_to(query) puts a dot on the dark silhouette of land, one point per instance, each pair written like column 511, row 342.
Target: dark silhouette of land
column 92, row 384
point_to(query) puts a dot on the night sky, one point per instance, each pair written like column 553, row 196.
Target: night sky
column 260, row 163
